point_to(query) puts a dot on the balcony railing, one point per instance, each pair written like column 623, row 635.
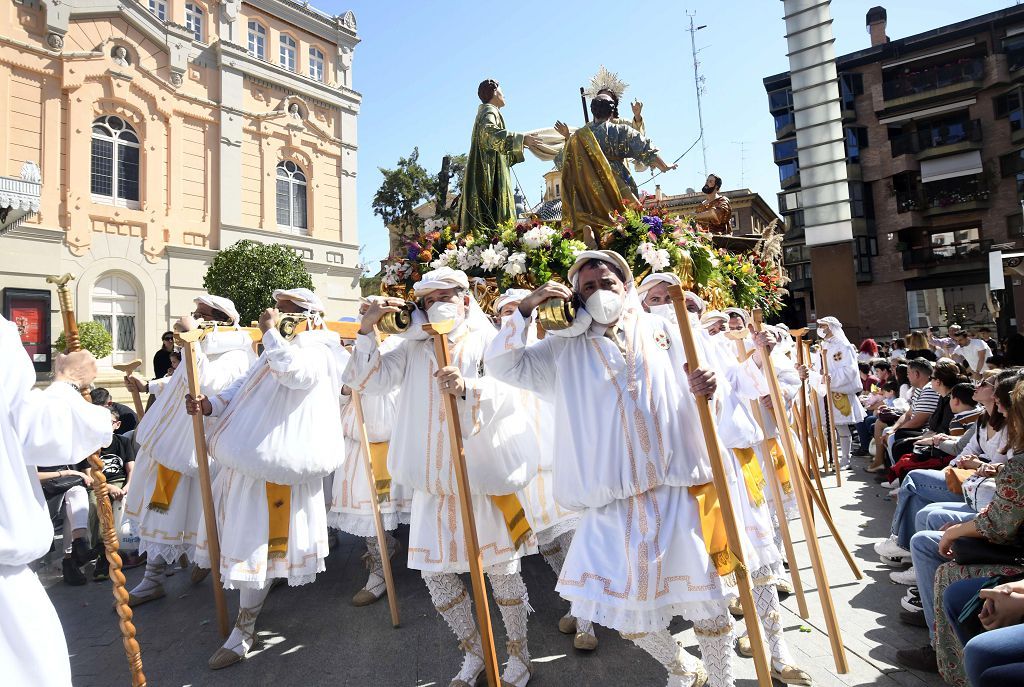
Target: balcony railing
column 948, row 199
column 938, row 256
column 936, row 137
column 915, row 82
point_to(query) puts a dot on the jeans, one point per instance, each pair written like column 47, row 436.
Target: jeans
column 996, row 658
column 866, row 432
column 935, row 515
column 924, row 552
column 956, row 596
column 920, row 488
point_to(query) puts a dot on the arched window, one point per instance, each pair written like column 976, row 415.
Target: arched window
column 115, row 162
column 291, row 198
column 287, row 52
column 115, row 304
column 316, row 64
column 257, row 40
column 194, row 20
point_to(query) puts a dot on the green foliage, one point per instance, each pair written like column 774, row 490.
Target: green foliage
column 248, row 272
column 93, row 337
column 408, row 185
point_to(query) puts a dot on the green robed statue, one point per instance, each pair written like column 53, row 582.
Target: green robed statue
column 487, row 196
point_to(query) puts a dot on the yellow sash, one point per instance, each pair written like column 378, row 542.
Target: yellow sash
column 515, row 517
column 841, row 402
column 780, row 465
column 279, row 508
column 752, row 475
column 166, row 484
column 712, row 528
column 381, row 476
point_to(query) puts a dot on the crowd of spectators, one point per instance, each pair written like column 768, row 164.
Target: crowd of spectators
column 945, row 435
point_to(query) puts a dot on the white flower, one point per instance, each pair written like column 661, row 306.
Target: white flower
column 493, row 257
column 657, row 258
column 537, row 237
column 445, row 259
column 395, row 273
column 467, row 258
column 433, row 223
column 516, row 264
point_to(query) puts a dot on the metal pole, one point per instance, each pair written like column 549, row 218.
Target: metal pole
column 696, row 83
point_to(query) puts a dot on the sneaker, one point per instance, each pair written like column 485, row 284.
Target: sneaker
column 907, row 577
column 73, row 575
column 913, row 619
column 81, row 553
column 888, row 548
column 891, row 484
column 894, row 492
column 895, row 561
column 912, row 604
column 913, row 592
column 922, row 659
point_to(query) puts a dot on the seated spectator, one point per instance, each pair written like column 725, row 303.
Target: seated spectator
column 993, row 638
column 867, row 379
column 64, row 487
column 999, row 523
column 118, row 463
column 868, row 350
column 913, row 422
column 928, row 451
column 982, row 444
column 887, row 403
column 128, row 418
column 973, row 351
column 918, row 347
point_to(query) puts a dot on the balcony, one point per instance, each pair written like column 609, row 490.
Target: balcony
column 785, row 125
column 938, row 139
column 943, row 256
column 961, row 199
column 914, row 84
column 789, row 174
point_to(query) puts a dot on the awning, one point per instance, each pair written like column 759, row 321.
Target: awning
column 959, row 165
column 19, row 198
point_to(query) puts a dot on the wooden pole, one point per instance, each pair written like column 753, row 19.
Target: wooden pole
column 378, row 522
column 439, row 330
column 128, row 369
column 721, row 481
column 805, row 435
column 780, row 509
column 789, row 454
column 188, row 340
column 833, row 433
column 583, row 99
column 111, row 542
column 818, row 436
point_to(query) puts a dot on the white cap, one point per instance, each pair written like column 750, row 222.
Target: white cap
column 713, row 316
column 658, row 278
column 219, row 303
column 609, row 256
column 441, row 278
column 510, row 296
column 304, row 298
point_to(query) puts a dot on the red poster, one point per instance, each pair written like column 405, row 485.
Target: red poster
column 28, row 317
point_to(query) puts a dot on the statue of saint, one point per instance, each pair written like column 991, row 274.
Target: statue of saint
column 595, row 180
column 714, row 212
column 487, row 196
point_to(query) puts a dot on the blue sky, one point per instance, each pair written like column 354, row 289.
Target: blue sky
column 419, row 64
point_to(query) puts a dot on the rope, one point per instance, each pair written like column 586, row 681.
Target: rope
column 655, row 176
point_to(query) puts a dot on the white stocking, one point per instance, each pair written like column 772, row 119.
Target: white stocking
column 243, row 636
column 662, row 646
column 375, row 564
column 511, row 597
column 845, row 444
column 715, row 640
column 766, row 598
column 451, row 600
column 151, row 579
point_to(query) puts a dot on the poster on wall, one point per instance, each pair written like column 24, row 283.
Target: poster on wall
column 29, row 310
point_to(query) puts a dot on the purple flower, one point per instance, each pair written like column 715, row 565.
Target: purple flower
column 654, row 223
column 414, row 250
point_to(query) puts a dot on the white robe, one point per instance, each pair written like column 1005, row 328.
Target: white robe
column 499, row 449
column 279, row 423
column 351, row 508
column 165, row 437
column 845, row 381
column 629, row 445
column 56, row 426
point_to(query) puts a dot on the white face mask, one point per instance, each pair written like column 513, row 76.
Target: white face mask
column 605, row 306
column 443, row 311
column 504, row 320
column 665, row 310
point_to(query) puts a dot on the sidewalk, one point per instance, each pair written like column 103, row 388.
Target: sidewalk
column 312, row 635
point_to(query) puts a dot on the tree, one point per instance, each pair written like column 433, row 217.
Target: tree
column 248, row 272
column 93, row 337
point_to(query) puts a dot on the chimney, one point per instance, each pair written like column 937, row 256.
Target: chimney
column 657, row 193
column 876, row 25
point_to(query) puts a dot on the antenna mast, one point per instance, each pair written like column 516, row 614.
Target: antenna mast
column 743, row 162
column 698, row 83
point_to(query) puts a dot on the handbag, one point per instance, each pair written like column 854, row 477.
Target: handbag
column 974, row 551
column 955, row 478
column 58, row 485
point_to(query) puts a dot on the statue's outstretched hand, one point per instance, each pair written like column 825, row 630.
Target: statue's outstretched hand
column 562, row 128
column 531, row 140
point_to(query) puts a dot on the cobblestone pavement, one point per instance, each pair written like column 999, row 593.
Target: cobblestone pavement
column 312, row 635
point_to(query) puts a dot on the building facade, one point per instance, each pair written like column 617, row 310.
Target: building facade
column 166, row 131
column 934, row 131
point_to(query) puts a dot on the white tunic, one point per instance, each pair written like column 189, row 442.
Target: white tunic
column 500, row 450
column 629, row 445
column 165, row 437
column 56, row 426
column 845, row 381
column 279, row 423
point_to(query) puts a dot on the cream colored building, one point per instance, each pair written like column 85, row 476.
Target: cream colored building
column 165, row 131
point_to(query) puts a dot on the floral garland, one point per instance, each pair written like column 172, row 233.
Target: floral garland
column 528, row 254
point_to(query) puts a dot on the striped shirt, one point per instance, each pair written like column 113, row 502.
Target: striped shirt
column 924, row 400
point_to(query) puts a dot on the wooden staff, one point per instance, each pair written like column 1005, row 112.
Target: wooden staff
column 780, row 510
column 805, row 434
column 789, row 455
column 830, row 409
column 128, row 369
column 583, row 99
column 439, row 330
column 817, row 435
column 187, row 341
column 378, row 522
column 721, row 481
column 111, row 541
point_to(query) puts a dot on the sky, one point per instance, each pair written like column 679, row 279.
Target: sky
column 419, row 64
